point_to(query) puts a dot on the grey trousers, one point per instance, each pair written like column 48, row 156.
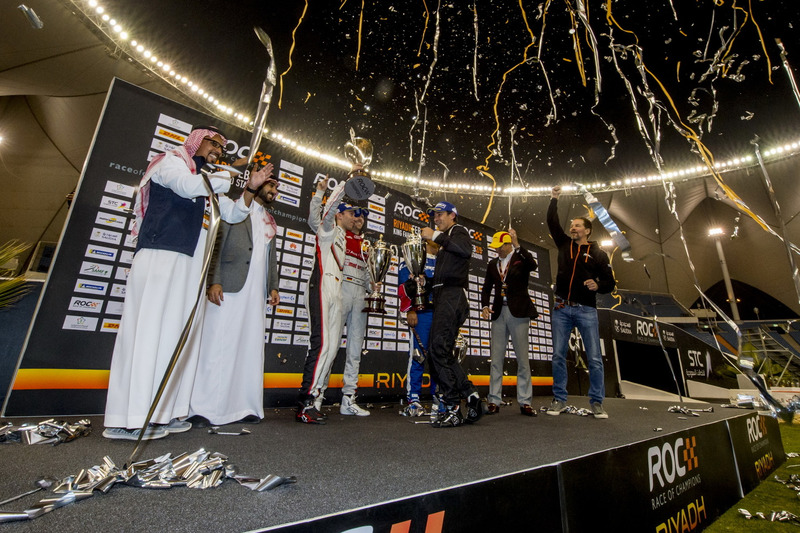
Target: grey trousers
column 505, row 325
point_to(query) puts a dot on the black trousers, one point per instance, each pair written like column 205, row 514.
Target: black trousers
column 450, row 310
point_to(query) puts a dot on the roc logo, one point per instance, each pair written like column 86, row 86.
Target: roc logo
column 476, row 235
column 672, row 461
column 261, row 159
column 410, row 212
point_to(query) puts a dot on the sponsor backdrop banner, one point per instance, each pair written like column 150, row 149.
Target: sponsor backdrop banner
column 63, row 367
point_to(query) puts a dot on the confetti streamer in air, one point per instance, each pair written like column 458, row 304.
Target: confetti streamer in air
column 291, row 49
column 494, row 137
column 598, row 80
column 475, row 53
column 777, row 208
column 425, row 29
column 413, row 125
column 360, row 24
column 435, row 52
column 552, row 117
column 788, row 70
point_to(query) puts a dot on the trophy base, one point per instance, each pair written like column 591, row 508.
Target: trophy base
column 375, row 305
column 359, row 186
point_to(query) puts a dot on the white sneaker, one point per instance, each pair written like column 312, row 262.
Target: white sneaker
column 178, row 426
column 318, row 403
column 350, row 407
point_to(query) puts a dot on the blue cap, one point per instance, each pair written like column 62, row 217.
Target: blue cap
column 357, row 211
column 444, row 206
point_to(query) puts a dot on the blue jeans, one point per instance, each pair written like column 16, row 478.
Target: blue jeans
column 585, row 319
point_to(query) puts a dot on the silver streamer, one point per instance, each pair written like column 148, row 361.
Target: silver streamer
column 776, row 206
column 788, row 70
column 553, row 116
column 48, row 432
column 475, row 54
column 198, row 470
column 435, row 51
column 411, row 130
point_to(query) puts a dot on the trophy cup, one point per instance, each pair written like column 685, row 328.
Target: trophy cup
column 359, row 185
column 415, row 255
column 460, row 348
column 378, row 257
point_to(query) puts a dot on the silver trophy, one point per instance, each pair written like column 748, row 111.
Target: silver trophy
column 460, row 348
column 415, row 254
column 378, row 257
column 358, row 151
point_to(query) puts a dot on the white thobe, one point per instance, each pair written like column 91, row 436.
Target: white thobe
column 161, row 290
column 229, row 384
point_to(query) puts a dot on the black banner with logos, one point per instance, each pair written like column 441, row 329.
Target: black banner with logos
column 757, row 447
column 679, row 482
column 641, row 357
column 490, row 505
column 63, row 367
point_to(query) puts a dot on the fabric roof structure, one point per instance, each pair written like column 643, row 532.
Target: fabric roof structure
column 53, row 82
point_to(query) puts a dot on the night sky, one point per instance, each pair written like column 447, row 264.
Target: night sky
column 705, row 57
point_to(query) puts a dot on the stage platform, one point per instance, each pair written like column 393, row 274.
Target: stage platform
column 642, row 469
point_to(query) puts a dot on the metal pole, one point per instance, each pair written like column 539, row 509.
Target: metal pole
column 727, row 278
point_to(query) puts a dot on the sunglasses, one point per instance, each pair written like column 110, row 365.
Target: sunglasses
column 214, row 143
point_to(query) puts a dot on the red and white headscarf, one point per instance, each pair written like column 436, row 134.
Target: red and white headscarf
column 185, row 152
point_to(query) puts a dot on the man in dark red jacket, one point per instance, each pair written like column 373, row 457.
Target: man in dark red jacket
column 583, row 271
column 511, row 313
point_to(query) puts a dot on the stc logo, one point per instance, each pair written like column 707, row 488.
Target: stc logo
column 671, row 461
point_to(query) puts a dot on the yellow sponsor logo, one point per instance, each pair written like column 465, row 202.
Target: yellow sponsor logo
column 171, row 135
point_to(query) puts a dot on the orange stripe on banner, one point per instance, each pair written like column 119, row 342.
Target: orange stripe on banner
column 274, row 380
column 435, row 522
column 71, row 378
column 401, row 527
column 508, row 381
column 60, row 378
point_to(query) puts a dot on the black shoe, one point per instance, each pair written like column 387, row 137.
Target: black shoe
column 475, row 408
column 308, row 414
column 492, row 409
column 449, row 419
column 199, row 421
column 527, row 410
column 249, row 419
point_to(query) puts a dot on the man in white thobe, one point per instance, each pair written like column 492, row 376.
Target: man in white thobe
column 229, row 386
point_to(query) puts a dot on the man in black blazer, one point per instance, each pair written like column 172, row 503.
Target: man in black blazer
column 511, row 312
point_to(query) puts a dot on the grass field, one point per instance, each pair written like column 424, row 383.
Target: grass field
column 769, row 495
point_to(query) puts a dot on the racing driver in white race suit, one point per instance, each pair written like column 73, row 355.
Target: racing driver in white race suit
column 324, row 298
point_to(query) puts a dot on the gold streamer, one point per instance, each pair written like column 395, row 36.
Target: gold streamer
column 360, row 23
column 760, row 38
column 485, row 172
column 291, row 49
column 577, row 45
column 484, row 169
column 425, row 29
